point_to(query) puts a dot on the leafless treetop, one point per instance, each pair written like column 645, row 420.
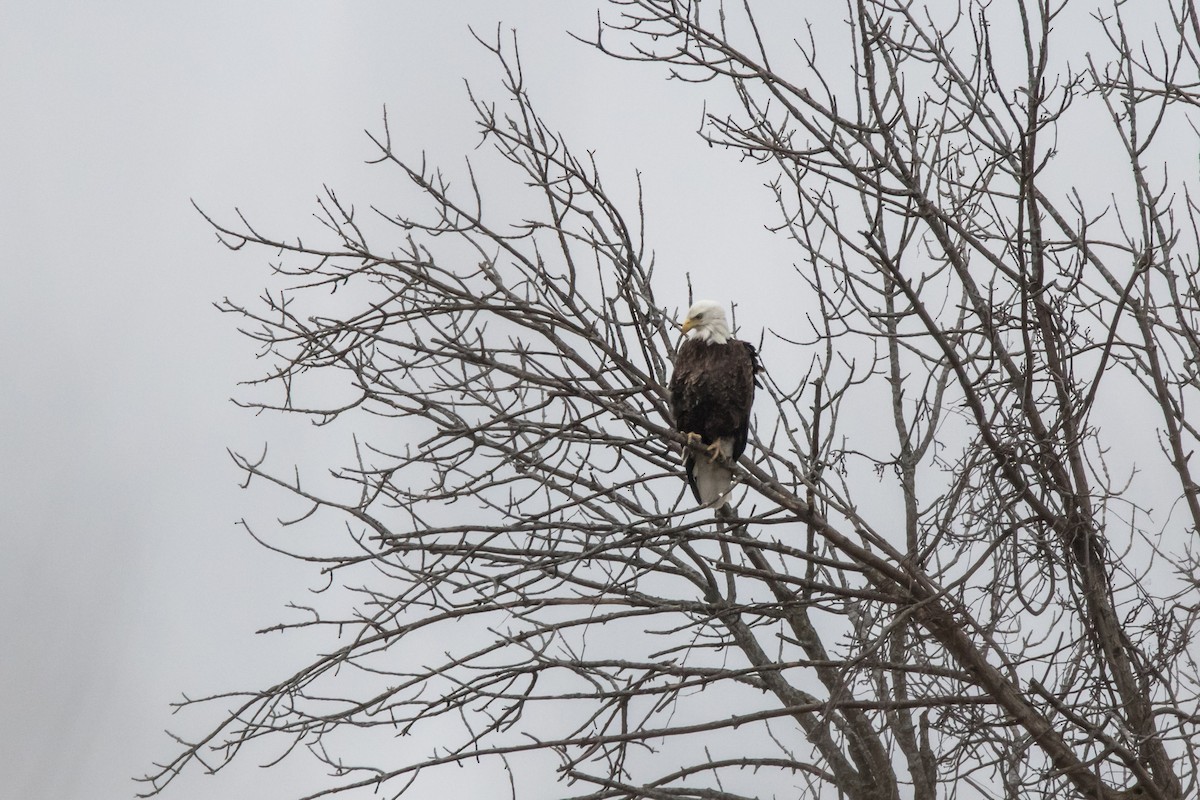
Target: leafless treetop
column 961, row 560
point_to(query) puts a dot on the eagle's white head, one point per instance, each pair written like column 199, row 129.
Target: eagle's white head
column 705, row 321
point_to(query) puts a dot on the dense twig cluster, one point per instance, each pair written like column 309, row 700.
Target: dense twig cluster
column 945, row 578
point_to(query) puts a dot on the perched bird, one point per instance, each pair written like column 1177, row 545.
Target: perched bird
column 712, row 390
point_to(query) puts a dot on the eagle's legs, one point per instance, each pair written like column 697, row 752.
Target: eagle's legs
column 714, row 451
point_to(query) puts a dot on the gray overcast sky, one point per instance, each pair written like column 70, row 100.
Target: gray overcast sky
column 124, row 579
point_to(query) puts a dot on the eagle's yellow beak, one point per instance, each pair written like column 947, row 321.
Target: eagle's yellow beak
column 688, row 324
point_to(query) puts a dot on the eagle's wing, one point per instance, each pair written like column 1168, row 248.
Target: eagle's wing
column 743, row 369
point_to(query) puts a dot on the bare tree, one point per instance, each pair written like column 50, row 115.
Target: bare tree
column 961, row 563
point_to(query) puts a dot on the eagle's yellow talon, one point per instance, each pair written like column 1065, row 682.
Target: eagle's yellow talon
column 712, row 450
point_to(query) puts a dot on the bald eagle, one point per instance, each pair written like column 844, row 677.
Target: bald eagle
column 712, row 390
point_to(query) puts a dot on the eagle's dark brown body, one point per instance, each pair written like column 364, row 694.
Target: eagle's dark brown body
column 712, row 390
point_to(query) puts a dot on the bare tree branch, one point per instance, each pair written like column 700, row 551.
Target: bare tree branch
column 956, row 568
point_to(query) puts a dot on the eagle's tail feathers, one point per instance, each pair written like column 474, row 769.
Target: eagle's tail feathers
column 714, row 480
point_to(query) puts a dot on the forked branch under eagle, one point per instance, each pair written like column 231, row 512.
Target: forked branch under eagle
column 712, row 390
